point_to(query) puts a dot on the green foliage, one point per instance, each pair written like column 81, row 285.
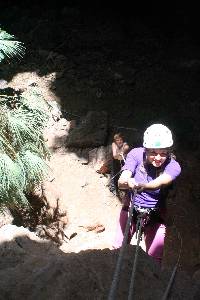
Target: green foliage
column 10, row 47
column 23, row 153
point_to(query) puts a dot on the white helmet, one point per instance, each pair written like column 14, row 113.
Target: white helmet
column 157, row 136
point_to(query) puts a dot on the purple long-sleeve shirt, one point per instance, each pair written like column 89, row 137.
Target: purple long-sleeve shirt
column 135, row 164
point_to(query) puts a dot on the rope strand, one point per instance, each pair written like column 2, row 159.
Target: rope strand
column 115, row 281
column 166, row 293
column 140, row 223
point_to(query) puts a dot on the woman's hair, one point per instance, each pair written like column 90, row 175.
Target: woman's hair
column 117, row 136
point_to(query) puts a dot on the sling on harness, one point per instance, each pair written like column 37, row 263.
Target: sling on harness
column 150, row 216
column 142, row 218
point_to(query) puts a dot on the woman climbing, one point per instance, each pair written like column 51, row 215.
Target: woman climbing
column 119, row 152
column 150, row 169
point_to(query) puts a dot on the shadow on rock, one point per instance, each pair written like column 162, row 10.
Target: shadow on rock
column 31, row 268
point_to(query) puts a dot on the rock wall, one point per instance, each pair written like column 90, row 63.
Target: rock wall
column 33, row 269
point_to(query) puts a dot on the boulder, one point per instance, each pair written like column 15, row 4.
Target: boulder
column 99, row 156
column 91, row 132
column 33, row 269
column 56, row 133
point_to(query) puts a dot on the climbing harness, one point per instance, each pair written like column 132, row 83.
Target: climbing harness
column 143, row 217
column 142, row 220
column 150, row 215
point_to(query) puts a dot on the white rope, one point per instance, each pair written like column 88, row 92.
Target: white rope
column 166, row 293
column 122, row 155
column 115, row 175
column 130, row 295
column 115, row 281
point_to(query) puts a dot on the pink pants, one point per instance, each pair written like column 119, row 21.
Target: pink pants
column 154, row 236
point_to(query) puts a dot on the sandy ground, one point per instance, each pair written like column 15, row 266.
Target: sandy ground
column 88, row 202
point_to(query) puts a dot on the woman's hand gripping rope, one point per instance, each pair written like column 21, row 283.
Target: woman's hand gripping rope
column 133, row 185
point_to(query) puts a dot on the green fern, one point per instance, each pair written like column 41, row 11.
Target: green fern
column 23, row 152
column 10, row 180
column 35, row 169
column 10, row 47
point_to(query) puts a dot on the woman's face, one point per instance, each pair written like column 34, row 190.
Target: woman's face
column 119, row 142
column 157, row 157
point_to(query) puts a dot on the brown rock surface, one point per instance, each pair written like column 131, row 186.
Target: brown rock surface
column 34, row 269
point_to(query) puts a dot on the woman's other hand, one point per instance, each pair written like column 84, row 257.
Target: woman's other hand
column 131, row 183
column 140, row 187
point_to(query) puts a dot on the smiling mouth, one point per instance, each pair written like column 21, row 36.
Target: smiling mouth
column 157, row 161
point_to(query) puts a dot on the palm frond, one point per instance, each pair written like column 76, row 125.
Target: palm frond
column 34, row 167
column 34, row 148
column 35, row 99
column 20, row 130
column 23, row 116
column 34, row 117
column 14, row 199
column 44, row 150
column 10, row 47
column 6, row 146
column 34, row 108
column 9, row 176
column 24, row 123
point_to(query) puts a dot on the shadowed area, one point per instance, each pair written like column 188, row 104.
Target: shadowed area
column 38, row 270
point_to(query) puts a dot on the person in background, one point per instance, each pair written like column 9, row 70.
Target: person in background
column 150, row 170
column 119, row 151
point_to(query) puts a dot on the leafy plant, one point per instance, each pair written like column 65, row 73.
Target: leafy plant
column 10, row 47
column 23, row 153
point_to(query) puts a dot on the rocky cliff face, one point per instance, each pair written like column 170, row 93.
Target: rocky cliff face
column 31, row 268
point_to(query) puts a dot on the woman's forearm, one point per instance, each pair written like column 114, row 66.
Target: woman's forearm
column 155, row 184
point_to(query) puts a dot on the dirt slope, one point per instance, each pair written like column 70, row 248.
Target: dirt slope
column 88, row 202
